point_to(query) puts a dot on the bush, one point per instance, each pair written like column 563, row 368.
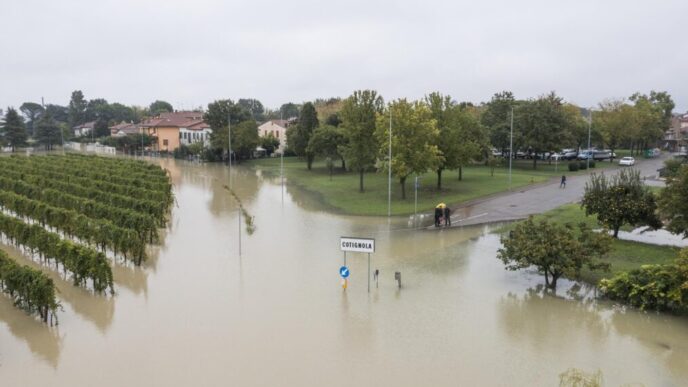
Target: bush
column 583, row 165
column 657, row 287
column 573, row 167
column 592, row 164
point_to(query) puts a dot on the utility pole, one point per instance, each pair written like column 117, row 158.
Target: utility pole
column 229, row 144
column 511, row 145
column 589, row 130
column 389, row 166
column 282, row 159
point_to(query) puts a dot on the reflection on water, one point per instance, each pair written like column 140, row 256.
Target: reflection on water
column 197, row 313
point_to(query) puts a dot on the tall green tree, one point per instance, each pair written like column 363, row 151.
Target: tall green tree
column 326, row 141
column 98, row 109
column 254, row 106
column 58, row 113
column 48, row 131
column 616, row 120
column 245, row 139
column 673, row 205
column 300, row 134
column 159, row 106
column 289, row 110
column 270, row 143
column 216, row 116
column 543, row 124
column 77, row 109
column 359, row 115
column 555, row 250
column 621, row 199
column 414, row 139
column 497, row 118
column 13, row 129
column 32, row 111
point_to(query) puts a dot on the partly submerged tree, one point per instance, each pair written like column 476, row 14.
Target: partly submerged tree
column 358, row 116
column 553, row 249
column 326, row 141
column 300, row 134
column 621, row 199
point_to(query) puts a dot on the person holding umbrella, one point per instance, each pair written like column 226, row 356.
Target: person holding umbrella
column 439, row 213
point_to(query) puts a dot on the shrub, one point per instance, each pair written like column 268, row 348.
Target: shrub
column 592, row 164
column 573, row 167
column 583, row 165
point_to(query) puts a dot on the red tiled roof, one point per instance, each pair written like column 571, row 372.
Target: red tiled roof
column 175, row 119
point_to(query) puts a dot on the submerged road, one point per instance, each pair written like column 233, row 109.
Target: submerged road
column 526, row 201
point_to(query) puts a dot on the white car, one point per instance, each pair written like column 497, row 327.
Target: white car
column 628, row 161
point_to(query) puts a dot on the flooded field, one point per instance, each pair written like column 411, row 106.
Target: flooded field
column 199, row 313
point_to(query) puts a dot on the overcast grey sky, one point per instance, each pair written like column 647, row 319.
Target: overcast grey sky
column 192, row 52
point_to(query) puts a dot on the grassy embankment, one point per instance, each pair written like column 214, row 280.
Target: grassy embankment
column 340, row 192
column 624, row 255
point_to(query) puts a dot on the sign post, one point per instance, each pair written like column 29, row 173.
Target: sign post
column 359, row 245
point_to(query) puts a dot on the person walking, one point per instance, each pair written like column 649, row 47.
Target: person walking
column 447, row 217
column 438, row 214
column 563, row 182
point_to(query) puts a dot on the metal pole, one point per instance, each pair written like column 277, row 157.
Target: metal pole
column 589, row 129
column 389, row 167
column 239, row 231
column 415, row 205
column 344, row 258
column 511, row 145
column 282, row 162
column 368, row 272
column 229, row 145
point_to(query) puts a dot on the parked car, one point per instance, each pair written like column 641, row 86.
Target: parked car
column 496, row 153
column 569, row 154
column 556, row 156
column 627, row 161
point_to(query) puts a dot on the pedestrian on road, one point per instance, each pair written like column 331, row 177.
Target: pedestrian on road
column 563, row 182
column 447, row 218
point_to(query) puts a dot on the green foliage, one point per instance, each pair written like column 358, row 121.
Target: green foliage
column 289, row 110
column 573, row 166
column 47, row 131
column 543, row 123
column 32, row 111
column 327, row 141
column 576, row 378
column 622, row 199
column 553, row 249
column 673, row 205
column 300, row 134
column 583, row 165
column 672, row 167
column 414, row 139
column 13, row 130
column 359, row 115
column 657, row 287
column 254, row 106
column 270, row 143
column 77, row 109
column 29, row 288
column 158, row 107
column 497, row 118
column 245, row 138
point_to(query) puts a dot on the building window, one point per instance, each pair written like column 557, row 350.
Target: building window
column 277, row 133
column 164, row 142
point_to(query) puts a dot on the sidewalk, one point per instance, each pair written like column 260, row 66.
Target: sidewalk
column 537, row 199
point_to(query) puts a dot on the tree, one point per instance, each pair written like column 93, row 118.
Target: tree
column 77, row 109
column 122, row 113
column 289, row 110
column 300, row 134
column 333, row 119
column 358, row 121
column 543, row 124
column 673, row 205
column 326, row 141
column 58, row 113
column 159, row 106
column 555, row 250
column 497, row 118
column 461, row 137
column 101, row 128
column 414, row 139
column 270, row 143
column 615, row 120
column 218, row 111
column 13, row 129
column 47, row 131
column 32, row 111
column 254, row 106
column 98, row 109
column 245, row 139
column 621, row 199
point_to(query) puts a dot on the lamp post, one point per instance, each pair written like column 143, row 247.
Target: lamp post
column 389, row 167
column 511, row 145
column 589, row 130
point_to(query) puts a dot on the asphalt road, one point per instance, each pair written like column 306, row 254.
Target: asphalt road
column 540, row 198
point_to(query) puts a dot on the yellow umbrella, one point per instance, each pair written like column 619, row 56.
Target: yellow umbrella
column 441, row 205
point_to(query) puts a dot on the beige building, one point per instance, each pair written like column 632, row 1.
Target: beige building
column 167, row 128
column 278, row 128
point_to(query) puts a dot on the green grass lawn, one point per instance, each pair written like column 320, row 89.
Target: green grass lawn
column 624, row 255
column 340, row 193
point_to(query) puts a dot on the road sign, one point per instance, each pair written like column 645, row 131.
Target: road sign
column 344, row 272
column 360, row 245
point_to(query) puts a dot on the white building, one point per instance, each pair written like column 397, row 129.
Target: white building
column 84, row 129
column 194, row 132
column 278, row 128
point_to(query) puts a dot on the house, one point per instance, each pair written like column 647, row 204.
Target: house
column 122, row 129
column 677, row 135
column 195, row 131
column 84, row 129
column 167, row 128
column 278, row 128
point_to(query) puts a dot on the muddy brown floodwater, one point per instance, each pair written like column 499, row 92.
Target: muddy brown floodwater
column 199, row 314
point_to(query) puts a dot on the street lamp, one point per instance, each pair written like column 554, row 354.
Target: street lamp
column 511, row 145
column 589, row 130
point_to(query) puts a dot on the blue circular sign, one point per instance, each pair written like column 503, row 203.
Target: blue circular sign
column 344, row 272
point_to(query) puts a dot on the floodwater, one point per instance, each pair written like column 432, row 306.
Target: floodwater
column 201, row 314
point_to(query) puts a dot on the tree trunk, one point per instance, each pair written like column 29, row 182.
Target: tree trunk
column 343, row 164
column 309, row 160
column 535, row 160
column 546, row 278
column 460, row 173
column 402, row 180
column 611, row 156
column 360, row 186
column 439, row 179
column 553, row 283
column 616, row 231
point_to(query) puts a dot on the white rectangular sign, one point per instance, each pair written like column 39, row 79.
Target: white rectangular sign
column 359, row 245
